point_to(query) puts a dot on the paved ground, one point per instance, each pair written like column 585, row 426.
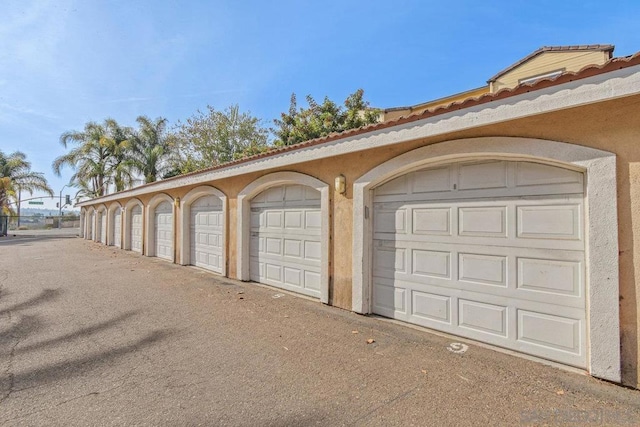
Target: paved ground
column 91, row 335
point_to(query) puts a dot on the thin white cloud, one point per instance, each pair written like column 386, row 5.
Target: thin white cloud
column 167, row 98
column 28, row 111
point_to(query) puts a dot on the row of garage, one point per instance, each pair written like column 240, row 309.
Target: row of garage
column 487, row 249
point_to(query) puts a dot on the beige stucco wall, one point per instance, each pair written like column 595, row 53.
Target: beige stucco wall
column 612, row 126
column 547, row 62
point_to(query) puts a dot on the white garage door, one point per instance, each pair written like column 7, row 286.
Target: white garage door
column 136, row 229
column 103, row 227
column 117, row 227
column 285, row 238
column 164, row 231
column 206, row 233
column 493, row 251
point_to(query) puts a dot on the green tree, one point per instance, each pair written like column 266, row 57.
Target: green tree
column 16, row 175
column 214, row 137
column 119, row 141
column 318, row 120
column 150, row 149
column 98, row 158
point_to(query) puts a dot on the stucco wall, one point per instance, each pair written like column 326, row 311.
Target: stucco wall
column 547, row 62
column 611, row 126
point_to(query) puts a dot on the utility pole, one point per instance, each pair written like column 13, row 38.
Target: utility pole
column 60, row 205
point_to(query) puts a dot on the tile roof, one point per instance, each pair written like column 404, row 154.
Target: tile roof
column 588, row 71
column 575, row 48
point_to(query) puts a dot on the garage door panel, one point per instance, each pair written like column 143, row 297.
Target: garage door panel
column 433, row 221
column 482, row 317
column 486, row 221
column 482, row 175
column 486, row 269
column 136, row 229
column 550, row 276
column 499, row 258
column 431, row 263
column 117, row 227
column 431, row 181
column 206, row 233
column 549, row 222
column 285, row 247
column 530, row 174
column 431, row 306
column 389, row 299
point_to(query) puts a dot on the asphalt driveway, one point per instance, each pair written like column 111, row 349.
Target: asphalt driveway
column 91, row 335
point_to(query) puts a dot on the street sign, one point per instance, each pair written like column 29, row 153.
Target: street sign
column 35, row 202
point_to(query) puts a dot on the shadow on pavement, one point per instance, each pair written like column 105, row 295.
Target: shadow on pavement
column 45, row 295
column 80, row 333
column 78, row 366
column 26, row 327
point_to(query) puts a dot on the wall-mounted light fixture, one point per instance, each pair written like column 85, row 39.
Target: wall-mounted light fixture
column 341, row 184
column 176, row 202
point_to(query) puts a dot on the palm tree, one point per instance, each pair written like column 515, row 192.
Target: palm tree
column 16, row 175
column 89, row 158
column 119, row 140
column 100, row 159
column 150, row 150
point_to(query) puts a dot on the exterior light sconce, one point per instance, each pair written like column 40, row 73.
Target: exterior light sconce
column 176, row 202
column 341, row 184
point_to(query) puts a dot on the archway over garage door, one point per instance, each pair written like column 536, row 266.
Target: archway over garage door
column 133, row 226
column 283, row 233
column 160, row 228
column 203, row 230
column 476, row 225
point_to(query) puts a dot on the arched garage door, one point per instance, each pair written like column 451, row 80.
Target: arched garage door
column 117, row 227
column 163, row 226
column 285, row 244
column 136, row 228
column 206, row 233
column 492, row 251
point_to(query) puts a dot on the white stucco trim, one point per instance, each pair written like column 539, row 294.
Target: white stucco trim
column 599, row 88
column 244, row 221
column 601, row 225
column 185, row 219
column 126, row 213
column 110, row 222
column 150, row 232
column 83, row 222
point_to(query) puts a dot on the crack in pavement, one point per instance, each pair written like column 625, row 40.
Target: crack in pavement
column 388, row 402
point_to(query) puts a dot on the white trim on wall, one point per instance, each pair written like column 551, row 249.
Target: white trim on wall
column 126, row 212
column 244, row 221
column 185, row 226
column 83, row 222
column 150, row 232
column 600, row 218
column 599, row 88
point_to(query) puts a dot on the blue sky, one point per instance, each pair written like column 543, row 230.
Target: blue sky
column 66, row 62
